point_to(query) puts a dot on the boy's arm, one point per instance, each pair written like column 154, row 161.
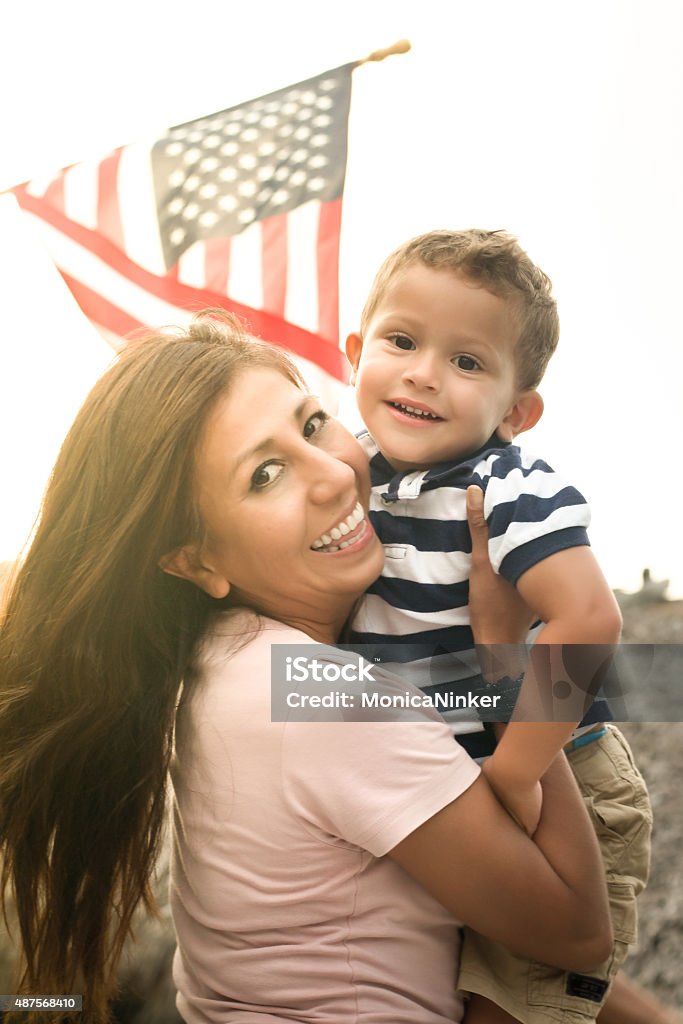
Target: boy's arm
column 582, row 623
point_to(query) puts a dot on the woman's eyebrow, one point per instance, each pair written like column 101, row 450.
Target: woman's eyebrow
column 270, row 442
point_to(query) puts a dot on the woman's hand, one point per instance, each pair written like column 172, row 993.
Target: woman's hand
column 497, row 613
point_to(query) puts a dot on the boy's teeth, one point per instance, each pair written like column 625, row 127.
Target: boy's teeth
column 339, row 531
column 415, row 412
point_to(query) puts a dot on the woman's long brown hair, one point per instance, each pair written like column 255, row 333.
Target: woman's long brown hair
column 94, row 645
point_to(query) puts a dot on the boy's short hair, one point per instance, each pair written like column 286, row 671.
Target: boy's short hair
column 496, row 261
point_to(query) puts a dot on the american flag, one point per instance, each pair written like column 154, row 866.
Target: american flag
column 239, row 209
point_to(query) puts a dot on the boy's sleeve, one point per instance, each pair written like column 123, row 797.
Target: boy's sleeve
column 531, row 513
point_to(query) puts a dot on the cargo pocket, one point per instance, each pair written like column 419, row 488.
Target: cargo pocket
column 582, row 993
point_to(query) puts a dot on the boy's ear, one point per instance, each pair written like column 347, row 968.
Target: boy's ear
column 523, row 415
column 354, row 347
column 188, row 563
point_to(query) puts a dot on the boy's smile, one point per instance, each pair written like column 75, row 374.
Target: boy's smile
column 435, row 373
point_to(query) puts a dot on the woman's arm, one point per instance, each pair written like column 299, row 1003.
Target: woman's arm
column 545, row 898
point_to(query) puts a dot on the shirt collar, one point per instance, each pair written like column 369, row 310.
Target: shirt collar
column 410, row 483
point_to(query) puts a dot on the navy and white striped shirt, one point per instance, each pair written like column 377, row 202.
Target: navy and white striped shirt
column 417, row 612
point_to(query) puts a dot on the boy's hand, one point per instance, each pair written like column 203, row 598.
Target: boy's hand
column 522, row 800
column 497, row 613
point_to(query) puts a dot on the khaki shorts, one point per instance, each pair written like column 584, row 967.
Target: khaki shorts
column 616, row 798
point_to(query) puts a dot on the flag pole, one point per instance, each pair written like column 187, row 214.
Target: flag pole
column 402, row 46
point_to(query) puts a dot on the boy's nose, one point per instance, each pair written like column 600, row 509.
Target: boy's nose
column 422, row 372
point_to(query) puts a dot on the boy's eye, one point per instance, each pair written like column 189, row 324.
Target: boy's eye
column 266, row 473
column 315, row 423
column 466, row 363
column 402, row 341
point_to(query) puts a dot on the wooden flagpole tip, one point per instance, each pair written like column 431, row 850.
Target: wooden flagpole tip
column 402, row 46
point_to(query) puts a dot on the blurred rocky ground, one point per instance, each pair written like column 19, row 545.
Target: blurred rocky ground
column 146, row 993
column 657, row 962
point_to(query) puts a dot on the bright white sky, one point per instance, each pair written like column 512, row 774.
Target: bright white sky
column 558, row 121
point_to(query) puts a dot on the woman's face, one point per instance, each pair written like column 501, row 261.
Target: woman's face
column 283, row 491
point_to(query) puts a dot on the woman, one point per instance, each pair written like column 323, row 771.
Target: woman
column 319, row 869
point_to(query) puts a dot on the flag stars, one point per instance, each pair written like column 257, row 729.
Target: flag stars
column 208, row 219
column 221, row 174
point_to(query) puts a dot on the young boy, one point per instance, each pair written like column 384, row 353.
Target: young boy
column 455, row 338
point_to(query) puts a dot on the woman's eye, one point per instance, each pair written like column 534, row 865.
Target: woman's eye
column 466, row 363
column 265, row 474
column 315, row 423
column 402, row 341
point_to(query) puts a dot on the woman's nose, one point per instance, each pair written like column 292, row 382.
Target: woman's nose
column 422, row 371
column 331, row 478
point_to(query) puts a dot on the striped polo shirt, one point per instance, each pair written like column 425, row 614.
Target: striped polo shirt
column 415, row 617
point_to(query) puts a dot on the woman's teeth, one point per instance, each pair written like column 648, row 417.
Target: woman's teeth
column 341, row 530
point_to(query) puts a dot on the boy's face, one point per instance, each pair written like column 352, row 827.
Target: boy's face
column 435, row 373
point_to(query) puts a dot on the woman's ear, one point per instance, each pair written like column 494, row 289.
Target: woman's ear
column 523, row 415
column 188, row 563
column 354, row 347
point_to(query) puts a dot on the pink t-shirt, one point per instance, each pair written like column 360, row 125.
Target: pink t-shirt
column 285, row 905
